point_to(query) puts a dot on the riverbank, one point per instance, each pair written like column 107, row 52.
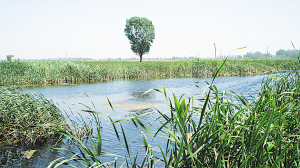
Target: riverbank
column 245, row 132
column 20, row 73
column 262, row 131
column 21, row 111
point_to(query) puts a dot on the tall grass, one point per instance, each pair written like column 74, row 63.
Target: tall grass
column 257, row 133
column 217, row 132
column 20, row 110
column 27, row 121
column 14, row 73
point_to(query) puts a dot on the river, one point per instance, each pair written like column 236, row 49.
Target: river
column 127, row 99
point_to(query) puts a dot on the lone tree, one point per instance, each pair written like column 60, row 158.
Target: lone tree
column 140, row 32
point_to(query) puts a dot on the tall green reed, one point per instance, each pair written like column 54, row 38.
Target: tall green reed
column 20, row 110
column 216, row 132
column 233, row 134
column 262, row 132
column 20, row 73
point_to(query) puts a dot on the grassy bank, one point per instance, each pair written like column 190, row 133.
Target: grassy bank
column 20, row 110
column 261, row 132
column 14, row 73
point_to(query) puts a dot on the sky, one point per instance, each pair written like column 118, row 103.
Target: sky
column 37, row 29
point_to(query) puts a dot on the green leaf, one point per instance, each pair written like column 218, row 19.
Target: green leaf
column 178, row 157
column 110, row 105
column 123, row 119
column 99, row 147
column 90, row 111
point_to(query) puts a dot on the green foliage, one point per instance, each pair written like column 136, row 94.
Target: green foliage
column 256, row 55
column 140, row 32
column 19, row 73
column 291, row 54
column 85, row 156
column 19, row 111
column 244, row 133
column 280, row 54
column 217, row 132
column 9, row 58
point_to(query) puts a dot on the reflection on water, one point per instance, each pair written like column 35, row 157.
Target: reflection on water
column 127, row 98
column 142, row 95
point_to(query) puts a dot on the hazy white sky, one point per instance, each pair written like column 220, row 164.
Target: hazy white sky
column 95, row 28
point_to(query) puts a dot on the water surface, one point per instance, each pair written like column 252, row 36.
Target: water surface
column 127, row 99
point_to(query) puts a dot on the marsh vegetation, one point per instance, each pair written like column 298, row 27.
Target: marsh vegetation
column 20, row 110
column 20, row 73
column 217, row 130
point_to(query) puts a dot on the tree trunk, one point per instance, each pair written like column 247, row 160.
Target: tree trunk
column 141, row 57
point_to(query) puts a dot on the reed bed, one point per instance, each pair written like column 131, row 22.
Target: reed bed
column 20, row 73
column 19, row 111
column 27, row 122
column 260, row 132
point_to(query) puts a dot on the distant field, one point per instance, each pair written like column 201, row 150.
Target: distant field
column 14, row 73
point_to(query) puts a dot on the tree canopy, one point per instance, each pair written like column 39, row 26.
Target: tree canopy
column 140, row 32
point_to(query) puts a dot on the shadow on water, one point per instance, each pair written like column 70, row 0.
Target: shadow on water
column 23, row 155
